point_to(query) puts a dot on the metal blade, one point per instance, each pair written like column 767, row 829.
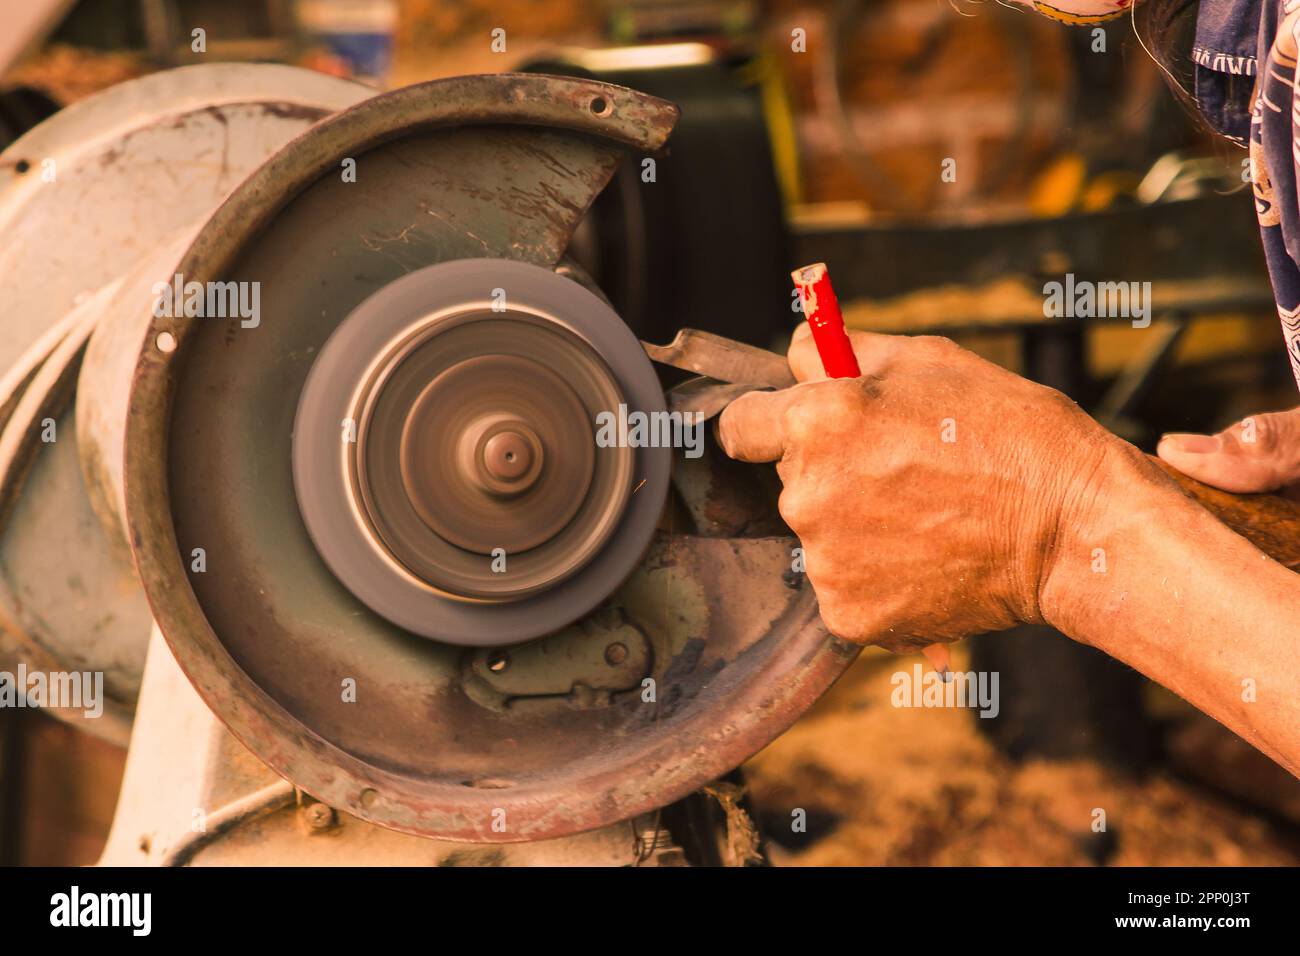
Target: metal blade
column 706, row 396
column 723, row 359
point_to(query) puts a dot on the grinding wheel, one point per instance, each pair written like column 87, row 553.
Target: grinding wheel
column 445, row 456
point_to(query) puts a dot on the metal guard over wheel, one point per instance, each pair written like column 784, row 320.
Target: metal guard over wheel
column 693, row 663
column 473, row 506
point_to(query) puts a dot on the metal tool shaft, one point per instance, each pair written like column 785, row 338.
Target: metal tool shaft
column 723, row 359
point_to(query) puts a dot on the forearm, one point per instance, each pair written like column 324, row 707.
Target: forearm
column 1153, row 579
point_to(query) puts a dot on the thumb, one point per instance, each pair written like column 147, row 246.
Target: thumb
column 1260, row 453
column 752, row 428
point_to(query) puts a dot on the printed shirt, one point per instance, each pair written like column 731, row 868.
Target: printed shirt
column 1245, row 72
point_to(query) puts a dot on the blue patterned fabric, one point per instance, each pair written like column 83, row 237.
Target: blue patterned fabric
column 1245, row 55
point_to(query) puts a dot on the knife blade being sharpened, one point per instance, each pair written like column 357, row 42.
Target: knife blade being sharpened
column 706, row 397
column 730, row 369
column 723, row 359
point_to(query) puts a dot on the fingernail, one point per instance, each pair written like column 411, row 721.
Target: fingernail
column 802, row 331
column 1192, row 444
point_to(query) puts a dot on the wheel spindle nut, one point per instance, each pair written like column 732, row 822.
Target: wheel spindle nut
column 507, row 456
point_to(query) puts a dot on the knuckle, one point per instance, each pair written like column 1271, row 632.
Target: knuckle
column 937, row 344
column 794, row 509
column 1271, row 439
column 1062, row 401
column 1263, row 436
column 801, row 419
column 840, row 398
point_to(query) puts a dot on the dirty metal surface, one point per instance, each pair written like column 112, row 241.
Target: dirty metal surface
column 133, row 163
column 104, row 382
column 118, row 170
column 14, row 381
column 67, row 602
column 431, row 745
column 586, row 664
column 181, row 756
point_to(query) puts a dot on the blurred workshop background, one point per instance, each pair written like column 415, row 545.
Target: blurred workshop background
column 944, row 158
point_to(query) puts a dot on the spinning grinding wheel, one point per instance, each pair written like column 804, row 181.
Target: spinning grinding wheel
column 417, row 398
column 475, row 439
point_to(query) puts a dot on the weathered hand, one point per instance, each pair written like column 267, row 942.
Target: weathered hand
column 931, row 494
column 1258, row 454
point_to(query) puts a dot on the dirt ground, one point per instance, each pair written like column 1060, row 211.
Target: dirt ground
column 891, row 786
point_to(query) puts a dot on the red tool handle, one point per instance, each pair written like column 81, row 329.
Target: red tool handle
column 822, row 310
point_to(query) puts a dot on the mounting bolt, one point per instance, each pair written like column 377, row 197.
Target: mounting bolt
column 615, row 654
column 317, row 817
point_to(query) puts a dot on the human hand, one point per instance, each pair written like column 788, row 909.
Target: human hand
column 931, row 494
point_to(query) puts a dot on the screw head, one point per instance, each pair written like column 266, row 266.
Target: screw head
column 318, row 816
